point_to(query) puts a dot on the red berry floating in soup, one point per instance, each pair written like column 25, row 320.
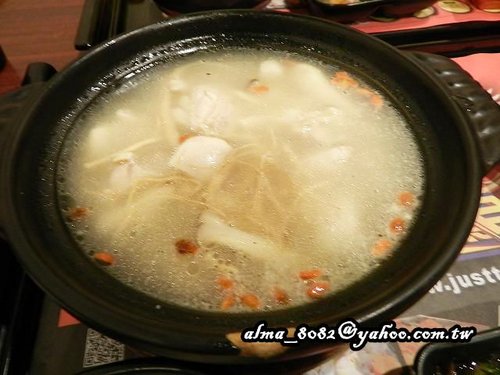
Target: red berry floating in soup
column 243, row 181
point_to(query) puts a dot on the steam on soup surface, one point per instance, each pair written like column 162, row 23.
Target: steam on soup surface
column 241, row 181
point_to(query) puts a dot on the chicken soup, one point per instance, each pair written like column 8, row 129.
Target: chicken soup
column 241, row 181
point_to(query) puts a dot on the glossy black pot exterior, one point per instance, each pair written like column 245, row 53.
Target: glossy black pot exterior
column 457, row 150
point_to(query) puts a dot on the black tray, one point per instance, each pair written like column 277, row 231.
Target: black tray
column 458, row 39
column 104, row 19
column 20, row 299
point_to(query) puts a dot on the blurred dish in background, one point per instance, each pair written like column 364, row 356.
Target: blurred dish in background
column 357, row 10
column 479, row 356
column 487, row 5
column 186, row 6
column 453, row 6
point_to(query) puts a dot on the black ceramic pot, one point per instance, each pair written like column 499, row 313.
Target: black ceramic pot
column 456, row 123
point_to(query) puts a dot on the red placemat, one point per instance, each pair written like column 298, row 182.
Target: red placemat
column 485, row 68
